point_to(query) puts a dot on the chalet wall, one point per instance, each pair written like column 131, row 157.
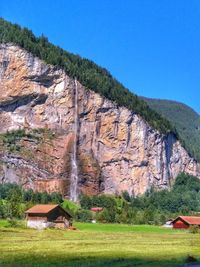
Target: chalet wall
column 57, row 214
column 180, row 225
column 33, row 217
column 39, row 224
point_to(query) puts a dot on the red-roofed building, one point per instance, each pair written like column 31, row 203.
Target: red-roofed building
column 43, row 216
column 184, row 222
column 96, row 209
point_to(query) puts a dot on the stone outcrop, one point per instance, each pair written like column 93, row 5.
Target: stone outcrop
column 116, row 149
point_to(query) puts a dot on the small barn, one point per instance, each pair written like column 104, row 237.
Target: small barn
column 96, row 209
column 184, row 222
column 43, row 216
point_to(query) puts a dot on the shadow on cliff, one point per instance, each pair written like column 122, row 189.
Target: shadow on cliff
column 18, row 101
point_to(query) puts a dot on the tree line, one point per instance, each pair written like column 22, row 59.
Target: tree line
column 14, row 200
column 154, row 207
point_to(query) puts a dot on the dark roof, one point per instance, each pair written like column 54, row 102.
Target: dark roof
column 45, row 208
column 189, row 219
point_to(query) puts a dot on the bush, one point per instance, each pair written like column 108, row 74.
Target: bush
column 12, row 223
column 191, row 259
column 126, row 196
column 83, row 216
column 194, row 229
column 86, row 202
column 106, row 216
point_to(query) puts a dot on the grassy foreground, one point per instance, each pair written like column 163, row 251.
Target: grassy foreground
column 96, row 245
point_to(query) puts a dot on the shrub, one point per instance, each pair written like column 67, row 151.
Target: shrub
column 83, row 216
column 12, row 223
column 85, row 202
column 194, row 229
column 126, row 196
column 106, row 216
column 191, row 259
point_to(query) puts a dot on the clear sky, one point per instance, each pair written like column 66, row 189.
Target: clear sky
column 151, row 46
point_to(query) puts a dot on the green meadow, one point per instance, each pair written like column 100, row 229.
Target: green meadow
column 95, row 245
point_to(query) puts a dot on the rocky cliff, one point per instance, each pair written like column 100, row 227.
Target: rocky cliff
column 116, row 149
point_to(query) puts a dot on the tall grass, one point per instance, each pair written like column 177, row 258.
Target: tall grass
column 97, row 246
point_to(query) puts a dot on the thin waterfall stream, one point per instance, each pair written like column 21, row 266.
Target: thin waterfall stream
column 74, row 166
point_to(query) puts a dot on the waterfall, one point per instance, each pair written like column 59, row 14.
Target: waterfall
column 74, row 167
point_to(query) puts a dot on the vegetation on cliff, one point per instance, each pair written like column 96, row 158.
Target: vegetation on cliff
column 87, row 72
column 185, row 119
column 11, row 139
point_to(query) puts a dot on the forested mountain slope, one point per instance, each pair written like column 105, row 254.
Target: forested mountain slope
column 87, row 72
column 184, row 119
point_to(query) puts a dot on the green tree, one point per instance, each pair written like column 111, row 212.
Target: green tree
column 83, row 216
column 15, row 199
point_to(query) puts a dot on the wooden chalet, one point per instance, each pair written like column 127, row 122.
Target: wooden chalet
column 184, row 222
column 43, row 216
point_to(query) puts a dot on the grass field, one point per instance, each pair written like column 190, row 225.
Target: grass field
column 95, row 245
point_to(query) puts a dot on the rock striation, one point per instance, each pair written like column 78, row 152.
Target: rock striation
column 116, row 149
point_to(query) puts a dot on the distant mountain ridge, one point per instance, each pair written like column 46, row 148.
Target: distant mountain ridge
column 183, row 118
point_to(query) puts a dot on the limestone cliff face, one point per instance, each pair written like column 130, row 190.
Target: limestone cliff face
column 116, row 149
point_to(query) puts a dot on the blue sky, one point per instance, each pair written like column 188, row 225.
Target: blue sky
column 151, row 46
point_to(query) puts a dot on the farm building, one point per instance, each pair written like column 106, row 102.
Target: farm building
column 184, row 222
column 43, row 216
column 168, row 224
column 96, row 209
